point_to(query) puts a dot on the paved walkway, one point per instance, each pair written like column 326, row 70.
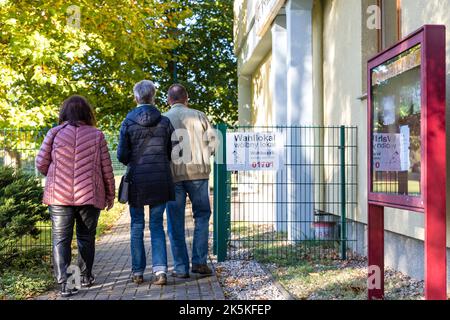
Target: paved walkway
column 113, row 269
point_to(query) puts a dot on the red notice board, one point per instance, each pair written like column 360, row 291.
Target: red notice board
column 407, row 148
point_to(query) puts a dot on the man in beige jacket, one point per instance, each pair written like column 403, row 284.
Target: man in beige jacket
column 190, row 169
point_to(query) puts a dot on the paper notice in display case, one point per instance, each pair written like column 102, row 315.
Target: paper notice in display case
column 391, row 150
column 405, row 163
column 254, row 151
column 388, row 104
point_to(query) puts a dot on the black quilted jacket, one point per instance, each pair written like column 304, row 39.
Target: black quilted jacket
column 150, row 175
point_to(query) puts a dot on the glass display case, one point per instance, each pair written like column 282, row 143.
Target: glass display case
column 396, row 125
column 406, row 166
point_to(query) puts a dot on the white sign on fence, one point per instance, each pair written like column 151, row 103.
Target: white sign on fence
column 391, row 151
column 254, row 151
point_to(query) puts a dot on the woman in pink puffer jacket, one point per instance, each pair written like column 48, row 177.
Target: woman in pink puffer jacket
column 80, row 182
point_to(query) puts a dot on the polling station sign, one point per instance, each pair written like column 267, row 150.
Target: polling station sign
column 254, row 151
column 391, row 151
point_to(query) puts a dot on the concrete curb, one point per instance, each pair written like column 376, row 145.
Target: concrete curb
column 213, row 266
column 277, row 284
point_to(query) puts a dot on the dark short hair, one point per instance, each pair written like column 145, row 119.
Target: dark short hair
column 76, row 109
column 178, row 93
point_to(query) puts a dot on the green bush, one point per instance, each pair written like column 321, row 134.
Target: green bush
column 27, row 275
column 20, row 206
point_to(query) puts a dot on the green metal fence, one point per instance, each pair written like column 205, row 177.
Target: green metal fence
column 304, row 210
column 18, row 148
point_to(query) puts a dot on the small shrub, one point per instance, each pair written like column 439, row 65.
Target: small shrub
column 27, row 275
column 20, row 206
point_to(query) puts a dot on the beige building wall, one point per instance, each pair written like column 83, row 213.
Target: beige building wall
column 342, row 44
column 251, row 50
column 317, row 30
column 342, row 81
column 244, row 11
column 261, row 112
column 414, row 15
column 345, row 43
column 255, row 191
column 341, row 67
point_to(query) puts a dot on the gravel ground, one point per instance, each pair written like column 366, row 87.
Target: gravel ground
column 246, row 280
column 243, row 278
column 338, row 280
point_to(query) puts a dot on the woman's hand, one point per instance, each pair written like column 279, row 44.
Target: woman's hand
column 109, row 205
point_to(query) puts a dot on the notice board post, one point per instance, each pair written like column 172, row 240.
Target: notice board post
column 407, row 150
column 222, row 190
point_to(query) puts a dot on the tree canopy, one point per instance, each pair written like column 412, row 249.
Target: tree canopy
column 50, row 50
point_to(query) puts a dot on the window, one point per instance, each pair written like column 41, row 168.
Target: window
column 390, row 31
column 376, row 40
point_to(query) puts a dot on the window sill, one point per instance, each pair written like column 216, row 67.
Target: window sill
column 362, row 97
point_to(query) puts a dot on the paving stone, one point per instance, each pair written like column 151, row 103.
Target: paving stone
column 112, row 268
column 90, row 296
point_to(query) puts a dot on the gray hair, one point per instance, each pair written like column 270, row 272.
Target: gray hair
column 144, row 92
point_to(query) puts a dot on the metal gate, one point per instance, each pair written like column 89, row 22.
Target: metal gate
column 304, row 210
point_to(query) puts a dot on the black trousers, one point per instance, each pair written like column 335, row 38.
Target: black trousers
column 63, row 219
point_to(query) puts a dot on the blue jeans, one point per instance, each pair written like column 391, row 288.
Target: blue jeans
column 198, row 192
column 158, row 239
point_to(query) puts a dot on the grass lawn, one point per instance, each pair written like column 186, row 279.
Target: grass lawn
column 392, row 187
column 262, row 243
column 339, row 280
column 30, row 274
column 108, row 218
column 312, row 270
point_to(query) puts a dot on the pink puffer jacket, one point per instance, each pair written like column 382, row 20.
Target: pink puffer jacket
column 78, row 167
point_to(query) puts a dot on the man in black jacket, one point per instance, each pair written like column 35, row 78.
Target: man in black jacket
column 145, row 146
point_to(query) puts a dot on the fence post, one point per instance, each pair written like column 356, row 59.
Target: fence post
column 221, row 199
column 343, row 195
column 215, row 198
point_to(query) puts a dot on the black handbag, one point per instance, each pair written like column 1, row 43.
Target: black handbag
column 125, row 182
column 123, row 189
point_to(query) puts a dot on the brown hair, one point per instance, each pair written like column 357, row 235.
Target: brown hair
column 77, row 109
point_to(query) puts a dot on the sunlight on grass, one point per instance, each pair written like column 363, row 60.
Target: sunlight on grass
column 312, row 269
column 107, row 219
